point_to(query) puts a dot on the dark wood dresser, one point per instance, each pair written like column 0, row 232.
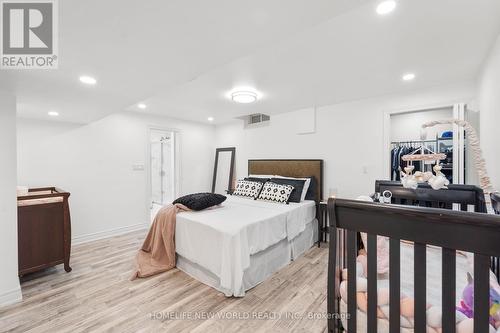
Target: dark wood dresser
column 43, row 229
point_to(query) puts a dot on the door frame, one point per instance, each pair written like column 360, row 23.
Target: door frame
column 177, row 161
column 458, row 145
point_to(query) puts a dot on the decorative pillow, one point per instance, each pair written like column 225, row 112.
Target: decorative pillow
column 275, row 192
column 257, row 179
column 245, row 188
column 305, row 188
column 199, row 201
column 311, row 191
column 297, row 184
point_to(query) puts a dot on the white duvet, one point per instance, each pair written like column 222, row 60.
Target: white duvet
column 223, row 238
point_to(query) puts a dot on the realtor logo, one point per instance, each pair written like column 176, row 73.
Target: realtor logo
column 29, row 34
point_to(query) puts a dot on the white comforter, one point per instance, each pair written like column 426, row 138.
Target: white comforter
column 223, row 238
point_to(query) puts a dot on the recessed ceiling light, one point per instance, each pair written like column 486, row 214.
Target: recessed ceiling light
column 385, row 7
column 244, row 96
column 142, row 106
column 88, row 80
column 409, row 77
column 210, row 118
column 53, row 113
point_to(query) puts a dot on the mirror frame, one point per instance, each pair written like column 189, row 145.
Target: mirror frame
column 231, row 171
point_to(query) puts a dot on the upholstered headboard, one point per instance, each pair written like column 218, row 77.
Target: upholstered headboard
column 290, row 168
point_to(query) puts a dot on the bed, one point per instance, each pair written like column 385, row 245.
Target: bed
column 234, row 247
column 441, row 239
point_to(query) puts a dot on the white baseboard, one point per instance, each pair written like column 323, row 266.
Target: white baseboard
column 10, row 297
column 15, row 295
column 108, row 233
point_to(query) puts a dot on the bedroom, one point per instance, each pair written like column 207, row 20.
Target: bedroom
column 329, row 83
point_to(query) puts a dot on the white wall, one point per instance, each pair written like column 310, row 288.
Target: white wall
column 94, row 162
column 407, row 126
column 9, row 282
column 349, row 137
column 489, row 108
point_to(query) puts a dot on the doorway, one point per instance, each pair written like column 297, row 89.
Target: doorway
column 402, row 129
column 162, row 168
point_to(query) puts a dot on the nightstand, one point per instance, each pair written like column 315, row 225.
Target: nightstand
column 322, row 222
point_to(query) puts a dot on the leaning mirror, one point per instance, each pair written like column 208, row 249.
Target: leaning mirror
column 223, row 170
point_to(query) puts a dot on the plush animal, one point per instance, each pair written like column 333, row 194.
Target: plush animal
column 438, row 181
column 419, row 176
column 422, row 177
column 407, row 179
column 467, row 303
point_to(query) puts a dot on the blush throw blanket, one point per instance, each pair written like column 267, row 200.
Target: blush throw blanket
column 157, row 254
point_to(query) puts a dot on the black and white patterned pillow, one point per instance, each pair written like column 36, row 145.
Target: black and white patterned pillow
column 275, row 192
column 245, row 188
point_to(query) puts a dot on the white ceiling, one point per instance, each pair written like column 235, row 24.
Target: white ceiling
column 181, row 57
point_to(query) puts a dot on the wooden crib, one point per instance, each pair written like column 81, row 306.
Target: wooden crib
column 462, row 197
column 473, row 232
column 495, row 202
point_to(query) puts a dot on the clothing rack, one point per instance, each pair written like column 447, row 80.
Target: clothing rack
column 434, row 144
column 436, row 141
column 412, row 142
column 405, row 148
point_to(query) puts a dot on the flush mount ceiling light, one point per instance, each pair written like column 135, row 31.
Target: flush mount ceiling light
column 385, row 7
column 408, row 77
column 244, row 96
column 53, row 113
column 88, row 80
column 210, row 119
column 142, row 106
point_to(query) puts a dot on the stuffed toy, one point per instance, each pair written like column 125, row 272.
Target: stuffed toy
column 407, row 178
column 438, row 181
column 467, row 303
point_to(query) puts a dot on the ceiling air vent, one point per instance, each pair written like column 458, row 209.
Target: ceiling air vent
column 258, row 118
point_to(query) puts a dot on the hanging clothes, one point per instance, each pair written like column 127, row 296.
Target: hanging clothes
column 401, row 149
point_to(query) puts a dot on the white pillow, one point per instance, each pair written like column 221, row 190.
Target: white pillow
column 304, row 189
column 261, row 176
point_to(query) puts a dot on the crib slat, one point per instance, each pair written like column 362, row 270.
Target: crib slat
column 463, row 207
column 394, row 286
column 496, row 267
column 332, row 287
column 352, row 249
column 448, row 290
column 372, row 283
column 420, row 274
column 481, row 293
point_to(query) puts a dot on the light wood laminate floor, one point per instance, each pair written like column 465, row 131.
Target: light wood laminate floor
column 97, row 296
